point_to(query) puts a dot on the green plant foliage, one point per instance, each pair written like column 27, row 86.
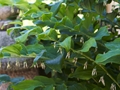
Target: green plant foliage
column 109, row 57
column 88, row 44
column 76, row 40
column 55, row 64
column 66, row 43
column 48, row 35
column 4, row 78
column 76, row 86
column 103, row 31
column 118, row 78
column 28, row 85
column 45, row 80
column 13, row 49
column 61, row 87
column 113, row 45
column 81, row 74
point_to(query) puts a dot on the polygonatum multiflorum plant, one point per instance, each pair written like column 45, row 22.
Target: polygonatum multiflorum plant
column 76, row 40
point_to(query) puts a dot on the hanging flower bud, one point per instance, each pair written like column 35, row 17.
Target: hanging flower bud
column 53, row 73
column 18, row 10
column 12, row 10
column 59, row 50
column 109, row 26
column 113, row 30
column 35, row 65
column 0, row 64
column 53, row 88
column 75, row 60
column 102, row 80
column 85, row 65
column 8, row 65
column 68, row 55
column 78, row 79
column 93, row 18
column 54, row 44
column 81, row 40
column 94, row 72
column 113, row 87
column 25, row 64
column 103, row 52
column 105, row 2
column 103, row 23
column 75, row 36
column 87, row 14
column 17, row 64
column 72, row 70
column 42, row 65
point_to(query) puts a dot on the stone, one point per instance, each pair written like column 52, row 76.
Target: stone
column 15, row 67
column 5, row 39
column 8, row 12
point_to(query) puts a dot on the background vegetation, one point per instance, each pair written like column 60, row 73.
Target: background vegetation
column 75, row 40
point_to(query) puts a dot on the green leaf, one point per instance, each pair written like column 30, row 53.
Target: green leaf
column 62, row 9
column 65, row 23
column 56, row 63
column 35, row 48
column 24, row 50
column 77, row 86
column 81, row 74
column 103, row 31
column 98, row 88
column 51, row 52
column 22, row 38
column 99, row 8
column 109, row 57
column 118, row 78
column 49, row 23
column 86, row 4
column 1, row 55
column 27, row 85
column 50, row 34
column 66, row 43
column 33, row 31
column 50, row 87
column 39, row 56
column 47, row 16
column 88, row 44
column 111, row 16
column 15, row 1
column 23, row 5
column 68, row 9
column 92, row 86
column 11, row 30
column 18, row 22
column 89, row 19
column 61, row 87
column 17, row 80
column 71, row 10
column 38, row 14
column 55, row 7
column 6, row 2
column 114, row 44
column 4, row 78
column 12, row 49
column 44, row 80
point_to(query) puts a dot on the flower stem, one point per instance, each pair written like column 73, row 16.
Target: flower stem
column 99, row 66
